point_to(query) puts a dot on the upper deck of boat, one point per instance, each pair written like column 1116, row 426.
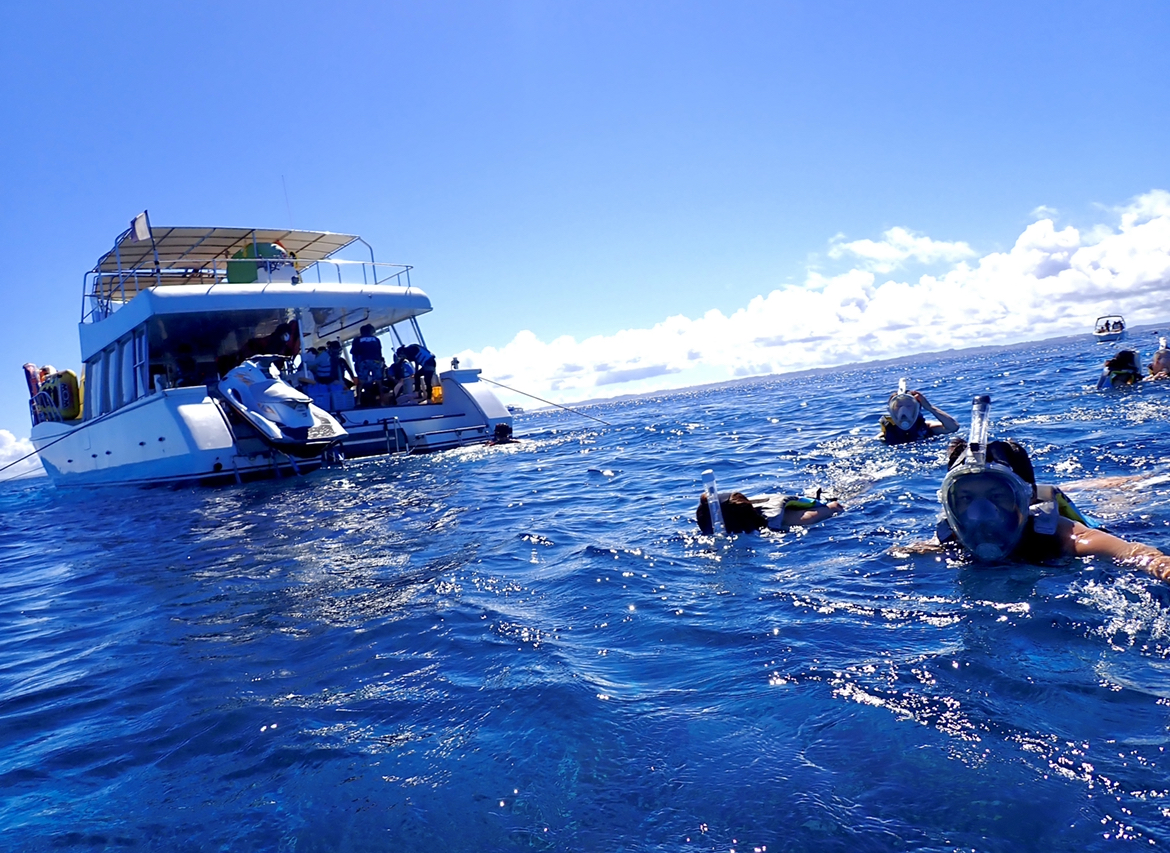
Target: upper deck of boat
column 201, row 258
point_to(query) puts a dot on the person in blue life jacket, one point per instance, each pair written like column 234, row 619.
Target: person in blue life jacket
column 904, row 421
column 1159, row 365
column 1121, row 370
column 425, row 364
column 995, row 512
column 332, row 366
column 369, row 366
column 742, row 514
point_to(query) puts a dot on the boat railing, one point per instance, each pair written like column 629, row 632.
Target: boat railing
column 43, row 409
column 106, row 291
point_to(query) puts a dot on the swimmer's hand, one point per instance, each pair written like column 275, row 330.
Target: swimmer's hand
column 1149, row 560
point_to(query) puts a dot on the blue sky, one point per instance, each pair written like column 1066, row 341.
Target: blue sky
column 565, row 172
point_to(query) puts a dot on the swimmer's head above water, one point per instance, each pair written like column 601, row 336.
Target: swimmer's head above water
column 904, row 407
column 1160, row 363
column 740, row 515
column 988, row 491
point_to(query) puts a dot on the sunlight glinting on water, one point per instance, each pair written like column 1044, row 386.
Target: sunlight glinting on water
column 532, row 646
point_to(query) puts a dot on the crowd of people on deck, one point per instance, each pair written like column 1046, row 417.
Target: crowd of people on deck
column 408, row 379
column 993, row 509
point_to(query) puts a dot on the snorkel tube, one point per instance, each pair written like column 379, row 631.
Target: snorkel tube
column 980, row 423
column 712, row 492
column 986, row 503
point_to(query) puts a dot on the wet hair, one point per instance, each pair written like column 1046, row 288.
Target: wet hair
column 1005, row 452
column 1125, row 359
column 739, row 514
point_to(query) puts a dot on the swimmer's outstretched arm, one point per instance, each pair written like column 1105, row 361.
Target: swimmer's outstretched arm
column 946, row 424
column 1080, row 541
column 805, row 517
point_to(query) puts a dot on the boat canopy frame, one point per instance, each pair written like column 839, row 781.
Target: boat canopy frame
column 200, row 256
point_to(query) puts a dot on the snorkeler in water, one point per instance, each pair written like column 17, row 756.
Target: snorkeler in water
column 904, row 421
column 995, row 511
column 735, row 512
column 1120, row 370
column 1159, row 366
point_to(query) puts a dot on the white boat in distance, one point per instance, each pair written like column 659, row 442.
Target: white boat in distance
column 1111, row 327
column 182, row 380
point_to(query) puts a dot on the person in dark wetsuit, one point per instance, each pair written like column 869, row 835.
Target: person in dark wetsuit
column 904, row 422
column 502, row 434
column 995, row 512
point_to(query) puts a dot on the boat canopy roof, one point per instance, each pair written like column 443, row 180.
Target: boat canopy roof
column 163, row 259
column 194, row 248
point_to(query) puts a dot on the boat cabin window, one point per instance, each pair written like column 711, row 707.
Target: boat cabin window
column 197, row 349
column 117, row 375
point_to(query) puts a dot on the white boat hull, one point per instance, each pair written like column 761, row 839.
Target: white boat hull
column 177, row 435
column 183, row 435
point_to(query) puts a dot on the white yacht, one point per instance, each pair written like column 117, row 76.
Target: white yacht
column 192, row 339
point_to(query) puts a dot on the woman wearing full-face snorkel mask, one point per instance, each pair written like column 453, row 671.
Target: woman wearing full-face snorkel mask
column 904, row 421
column 995, row 512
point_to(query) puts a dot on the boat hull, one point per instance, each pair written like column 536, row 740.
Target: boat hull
column 175, row 436
column 181, row 435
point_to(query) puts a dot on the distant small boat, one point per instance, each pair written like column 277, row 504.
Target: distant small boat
column 515, row 410
column 1111, row 327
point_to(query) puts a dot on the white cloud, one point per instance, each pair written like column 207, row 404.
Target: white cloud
column 899, row 246
column 13, row 449
column 1051, row 282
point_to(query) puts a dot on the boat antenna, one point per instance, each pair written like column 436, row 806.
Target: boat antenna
column 548, row 402
column 287, row 206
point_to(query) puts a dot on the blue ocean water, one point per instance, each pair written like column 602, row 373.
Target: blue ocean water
column 530, row 647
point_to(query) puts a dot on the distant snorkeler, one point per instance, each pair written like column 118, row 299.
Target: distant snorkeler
column 1120, row 370
column 904, row 421
column 737, row 513
column 995, row 512
column 1159, row 365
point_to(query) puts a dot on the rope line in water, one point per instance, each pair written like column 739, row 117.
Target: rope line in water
column 541, row 399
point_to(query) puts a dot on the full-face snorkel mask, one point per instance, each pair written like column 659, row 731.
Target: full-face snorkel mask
column 986, row 502
column 904, row 409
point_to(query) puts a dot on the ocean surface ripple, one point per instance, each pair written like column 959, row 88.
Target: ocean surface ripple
column 530, row 647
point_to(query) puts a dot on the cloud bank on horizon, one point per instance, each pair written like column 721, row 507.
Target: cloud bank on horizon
column 1052, row 282
column 12, row 449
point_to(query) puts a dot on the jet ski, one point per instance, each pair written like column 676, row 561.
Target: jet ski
column 285, row 419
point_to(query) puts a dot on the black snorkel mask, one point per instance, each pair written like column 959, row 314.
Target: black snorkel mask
column 985, row 501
